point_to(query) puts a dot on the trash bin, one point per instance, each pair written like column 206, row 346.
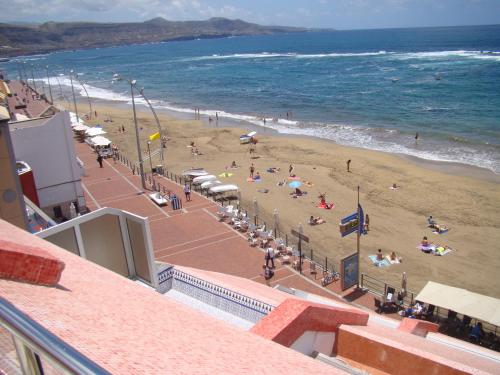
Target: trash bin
column 176, row 203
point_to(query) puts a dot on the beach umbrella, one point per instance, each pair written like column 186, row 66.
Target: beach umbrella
column 92, row 132
column 403, row 285
column 276, row 221
column 100, row 141
column 225, row 174
column 80, row 128
column 255, row 209
column 295, row 184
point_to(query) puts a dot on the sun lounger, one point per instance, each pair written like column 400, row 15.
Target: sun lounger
column 158, row 199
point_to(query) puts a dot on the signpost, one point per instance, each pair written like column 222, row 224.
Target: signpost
column 350, row 267
column 301, row 238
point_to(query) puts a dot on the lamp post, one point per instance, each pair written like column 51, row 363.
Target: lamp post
column 74, row 99
column 33, row 77
column 88, row 97
column 48, row 81
column 149, row 155
column 139, row 153
column 157, row 124
column 301, row 231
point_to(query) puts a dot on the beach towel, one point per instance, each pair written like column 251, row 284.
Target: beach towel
column 308, row 184
column 263, row 190
column 441, row 250
column 296, row 178
column 250, row 179
column 442, row 231
column 395, row 261
column 326, row 206
column 393, row 188
column 379, row 263
column 427, row 249
column 225, row 174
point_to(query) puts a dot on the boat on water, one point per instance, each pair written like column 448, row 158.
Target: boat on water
column 438, row 77
column 394, row 80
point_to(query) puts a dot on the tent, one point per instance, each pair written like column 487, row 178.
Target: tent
column 92, row 132
column 80, row 128
column 100, row 141
column 462, row 301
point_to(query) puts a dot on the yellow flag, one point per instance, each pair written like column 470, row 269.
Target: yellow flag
column 154, row 136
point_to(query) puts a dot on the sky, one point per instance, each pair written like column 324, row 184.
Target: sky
column 338, row 14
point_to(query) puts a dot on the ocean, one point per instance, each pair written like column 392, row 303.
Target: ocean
column 366, row 88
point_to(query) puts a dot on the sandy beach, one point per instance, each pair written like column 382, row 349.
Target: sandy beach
column 461, row 198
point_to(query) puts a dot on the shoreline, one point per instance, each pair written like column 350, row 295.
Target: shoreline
column 447, row 167
column 467, row 204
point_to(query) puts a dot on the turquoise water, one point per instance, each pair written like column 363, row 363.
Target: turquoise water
column 372, row 88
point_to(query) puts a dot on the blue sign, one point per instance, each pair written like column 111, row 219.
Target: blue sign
column 352, row 223
column 349, row 218
column 350, row 271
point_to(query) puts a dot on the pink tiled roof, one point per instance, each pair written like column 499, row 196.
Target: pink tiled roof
column 126, row 328
column 426, row 349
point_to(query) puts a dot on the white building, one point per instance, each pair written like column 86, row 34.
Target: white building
column 46, row 144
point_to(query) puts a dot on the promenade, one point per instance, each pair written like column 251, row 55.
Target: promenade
column 193, row 236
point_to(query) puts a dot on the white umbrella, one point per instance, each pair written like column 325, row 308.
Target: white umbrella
column 92, row 132
column 80, row 128
column 100, row 141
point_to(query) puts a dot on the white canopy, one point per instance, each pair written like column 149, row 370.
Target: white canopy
column 92, row 132
column 100, row 141
column 80, row 128
column 462, row 301
column 223, row 188
column 201, row 179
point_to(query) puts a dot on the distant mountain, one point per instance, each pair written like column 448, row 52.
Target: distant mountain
column 51, row 36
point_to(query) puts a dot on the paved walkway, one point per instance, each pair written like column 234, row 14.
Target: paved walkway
column 193, row 236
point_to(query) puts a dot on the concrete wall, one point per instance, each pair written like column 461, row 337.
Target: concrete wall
column 12, row 207
column 313, row 341
column 47, row 146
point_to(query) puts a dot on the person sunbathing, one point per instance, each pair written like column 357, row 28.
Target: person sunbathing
column 424, row 242
column 380, row 256
column 256, row 177
column 316, row 220
column 393, row 256
column 431, row 223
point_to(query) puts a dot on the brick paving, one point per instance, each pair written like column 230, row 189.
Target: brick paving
column 194, row 236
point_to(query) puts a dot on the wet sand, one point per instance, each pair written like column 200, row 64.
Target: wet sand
column 466, row 199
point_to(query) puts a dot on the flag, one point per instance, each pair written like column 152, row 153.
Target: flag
column 361, row 221
column 154, row 136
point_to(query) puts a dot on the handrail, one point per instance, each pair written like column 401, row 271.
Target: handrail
column 42, row 340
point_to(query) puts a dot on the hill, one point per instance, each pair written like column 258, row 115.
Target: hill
column 52, row 36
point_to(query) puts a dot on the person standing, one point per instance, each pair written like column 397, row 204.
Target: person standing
column 99, row 160
column 348, row 165
column 252, row 170
column 290, row 170
column 367, row 223
column 416, row 136
column 123, row 128
column 269, row 257
column 187, row 192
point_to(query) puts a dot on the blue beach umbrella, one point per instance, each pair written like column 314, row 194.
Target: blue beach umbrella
column 295, row 184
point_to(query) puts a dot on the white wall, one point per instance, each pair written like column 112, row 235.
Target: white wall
column 312, row 341
column 47, row 146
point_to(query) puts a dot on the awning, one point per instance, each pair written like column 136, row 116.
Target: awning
column 92, row 132
column 100, row 141
column 462, row 301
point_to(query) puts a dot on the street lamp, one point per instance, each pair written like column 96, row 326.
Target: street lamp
column 74, row 99
column 141, row 91
column 139, row 153
column 48, row 81
column 33, row 78
column 86, row 93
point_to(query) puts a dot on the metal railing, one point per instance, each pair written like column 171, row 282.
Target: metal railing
column 380, row 288
column 34, row 341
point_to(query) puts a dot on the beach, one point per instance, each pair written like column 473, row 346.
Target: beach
column 464, row 199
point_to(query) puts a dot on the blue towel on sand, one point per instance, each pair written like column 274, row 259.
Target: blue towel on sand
column 382, row 263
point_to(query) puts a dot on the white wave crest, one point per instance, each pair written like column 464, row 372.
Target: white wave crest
column 447, row 54
column 264, row 55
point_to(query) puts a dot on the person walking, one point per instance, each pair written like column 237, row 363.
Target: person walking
column 252, row 170
column 367, row 223
column 99, row 160
column 187, row 192
column 269, row 257
column 290, row 170
column 348, row 165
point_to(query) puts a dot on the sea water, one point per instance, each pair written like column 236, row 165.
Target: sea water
column 368, row 88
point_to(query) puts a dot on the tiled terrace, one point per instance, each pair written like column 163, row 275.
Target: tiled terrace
column 193, row 236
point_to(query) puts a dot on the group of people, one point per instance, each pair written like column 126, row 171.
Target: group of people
column 316, row 220
column 431, row 223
